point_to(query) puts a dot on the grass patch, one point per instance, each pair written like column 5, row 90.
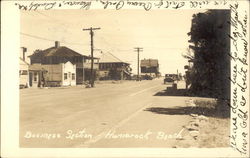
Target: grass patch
column 214, row 108
column 209, row 104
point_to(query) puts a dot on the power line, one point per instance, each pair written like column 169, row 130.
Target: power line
column 143, row 35
column 55, row 19
column 42, row 38
column 115, row 56
column 46, row 39
column 59, row 22
column 65, row 24
column 46, row 15
column 128, row 50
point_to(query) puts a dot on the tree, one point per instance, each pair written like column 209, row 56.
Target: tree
column 211, row 45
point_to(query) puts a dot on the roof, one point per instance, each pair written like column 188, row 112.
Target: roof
column 149, row 62
column 110, row 58
column 58, row 52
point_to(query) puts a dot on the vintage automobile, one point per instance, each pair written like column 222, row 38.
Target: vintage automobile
column 168, row 79
column 147, row 77
column 134, row 77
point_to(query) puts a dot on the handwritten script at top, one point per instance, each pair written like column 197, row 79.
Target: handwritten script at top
column 119, row 4
column 239, row 53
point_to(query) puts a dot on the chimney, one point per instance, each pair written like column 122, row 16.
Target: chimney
column 57, row 44
column 24, row 51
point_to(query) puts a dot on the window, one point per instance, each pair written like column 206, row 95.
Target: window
column 143, row 69
column 24, row 72
column 65, row 76
column 73, row 76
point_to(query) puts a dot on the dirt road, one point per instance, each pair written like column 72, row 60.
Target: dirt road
column 126, row 114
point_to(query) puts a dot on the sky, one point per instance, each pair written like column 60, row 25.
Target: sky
column 161, row 33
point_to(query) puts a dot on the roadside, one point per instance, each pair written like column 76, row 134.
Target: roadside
column 206, row 129
column 210, row 133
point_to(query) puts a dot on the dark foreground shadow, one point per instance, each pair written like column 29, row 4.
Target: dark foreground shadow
column 173, row 92
column 170, row 91
column 211, row 112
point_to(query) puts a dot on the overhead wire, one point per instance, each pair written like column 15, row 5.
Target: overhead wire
column 108, row 44
column 43, row 38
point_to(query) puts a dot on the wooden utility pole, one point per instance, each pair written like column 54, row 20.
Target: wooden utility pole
column 92, row 80
column 177, row 76
column 138, row 50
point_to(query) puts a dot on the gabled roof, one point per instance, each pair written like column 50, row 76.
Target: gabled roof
column 58, row 52
column 110, row 58
column 149, row 62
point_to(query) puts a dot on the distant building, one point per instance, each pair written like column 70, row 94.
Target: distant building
column 87, row 68
column 57, row 66
column 23, row 69
column 112, row 68
column 23, row 73
column 149, row 67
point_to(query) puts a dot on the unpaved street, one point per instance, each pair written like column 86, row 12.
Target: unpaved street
column 109, row 115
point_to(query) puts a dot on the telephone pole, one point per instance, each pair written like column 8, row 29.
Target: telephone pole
column 138, row 50
column 92, row 54
column 177, row 76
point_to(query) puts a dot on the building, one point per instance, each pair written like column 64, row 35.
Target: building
column 87, row 68
column 23, row 69
column 149, row 67
column 57, row 66
column 112, row 68
column 52, row 75
column 23, row 74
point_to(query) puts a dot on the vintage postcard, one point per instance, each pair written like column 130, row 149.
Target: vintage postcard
column 125, row 78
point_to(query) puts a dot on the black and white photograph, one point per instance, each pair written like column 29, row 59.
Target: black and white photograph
column 121, row 78
column 89, row 80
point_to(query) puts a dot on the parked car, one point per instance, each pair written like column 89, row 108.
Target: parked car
column 168, row 80
column 134, row 77
column 147, row 77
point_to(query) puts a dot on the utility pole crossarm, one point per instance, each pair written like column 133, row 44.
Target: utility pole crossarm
column 138, row 48
column 98, row 28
